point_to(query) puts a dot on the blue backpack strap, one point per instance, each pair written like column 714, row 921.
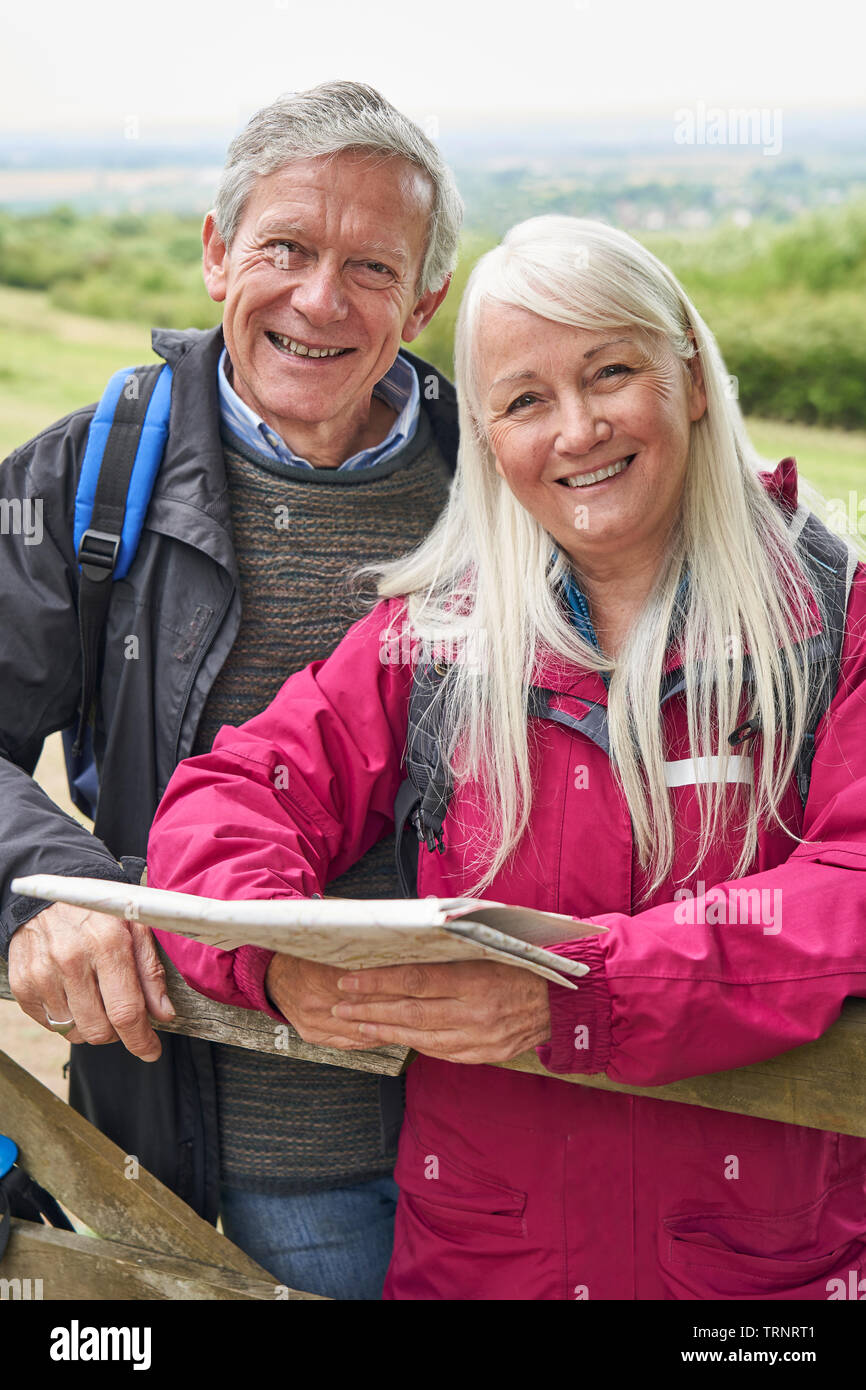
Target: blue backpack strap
column 127, row 434
column 124, row 450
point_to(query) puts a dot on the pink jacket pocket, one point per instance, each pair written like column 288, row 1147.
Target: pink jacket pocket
column 815, row 1252
column 450, row 1200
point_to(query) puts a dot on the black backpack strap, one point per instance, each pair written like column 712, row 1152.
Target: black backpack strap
column 439, row 402
column 406, row 804
column 422, row 800
column 423, row 797
column 832, row 565
column 97, row 552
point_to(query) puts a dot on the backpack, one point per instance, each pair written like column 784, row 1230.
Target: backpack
column 422, row 800
column 21, row 1196
column 125, row 444
column 124, row 450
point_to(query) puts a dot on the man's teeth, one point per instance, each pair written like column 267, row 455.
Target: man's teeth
column 584, row 479
column 301, row 349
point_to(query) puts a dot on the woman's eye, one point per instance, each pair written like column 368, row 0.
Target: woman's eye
column 521, row 402
column 615, row 367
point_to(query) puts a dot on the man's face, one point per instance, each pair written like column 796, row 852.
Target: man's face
column 326, row 260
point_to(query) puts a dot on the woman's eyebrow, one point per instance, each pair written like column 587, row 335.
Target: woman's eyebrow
column 527, row 375
column 515, row 376
column 601, row 346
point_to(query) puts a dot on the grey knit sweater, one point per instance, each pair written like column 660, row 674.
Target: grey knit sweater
column 289, row 1126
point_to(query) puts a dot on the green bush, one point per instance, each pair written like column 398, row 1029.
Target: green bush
column 784, row 301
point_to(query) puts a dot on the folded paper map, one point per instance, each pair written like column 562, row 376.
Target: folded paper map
column 351, row 933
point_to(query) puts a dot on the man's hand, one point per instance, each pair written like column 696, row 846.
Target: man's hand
column 306, row 993
column 68, row 962
column 465, row 1011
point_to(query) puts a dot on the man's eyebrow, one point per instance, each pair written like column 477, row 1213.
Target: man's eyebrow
column 528, row 376
column 368, row 249
column 275, row 226
column 390, row 253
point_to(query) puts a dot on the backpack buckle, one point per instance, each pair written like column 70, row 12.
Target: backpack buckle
column 97, row 554
column 744, row 731
column 428, row 834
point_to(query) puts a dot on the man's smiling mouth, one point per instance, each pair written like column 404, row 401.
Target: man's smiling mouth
column 295, row 348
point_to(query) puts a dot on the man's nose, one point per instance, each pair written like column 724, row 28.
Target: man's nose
column 581, row 425
column 319, row 296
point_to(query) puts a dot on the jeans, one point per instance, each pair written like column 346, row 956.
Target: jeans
column 336, row 1242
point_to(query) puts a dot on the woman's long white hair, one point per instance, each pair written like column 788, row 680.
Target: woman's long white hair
column 485, row 587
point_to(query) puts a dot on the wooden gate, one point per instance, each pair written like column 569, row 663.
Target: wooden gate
column 146, row 1243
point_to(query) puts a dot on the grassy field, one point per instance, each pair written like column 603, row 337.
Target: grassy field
column 52, row 362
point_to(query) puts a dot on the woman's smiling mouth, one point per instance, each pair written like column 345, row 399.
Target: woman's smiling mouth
column 599, row 475
column 293, row 347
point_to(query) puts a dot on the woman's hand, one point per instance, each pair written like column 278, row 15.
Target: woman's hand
column 305, row 993
column 465, row 1011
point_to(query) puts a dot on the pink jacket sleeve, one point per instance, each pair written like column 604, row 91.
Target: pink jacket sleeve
column 287, row 801
column 666, row 999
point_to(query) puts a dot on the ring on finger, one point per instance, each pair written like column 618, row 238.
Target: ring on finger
column 60, row 1025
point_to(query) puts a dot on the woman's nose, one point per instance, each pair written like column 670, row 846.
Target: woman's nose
column 580, row 425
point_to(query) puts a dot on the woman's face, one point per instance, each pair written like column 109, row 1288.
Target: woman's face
column 561, row 405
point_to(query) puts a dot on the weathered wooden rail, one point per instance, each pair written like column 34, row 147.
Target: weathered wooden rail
column 148, row 1243
column 151, row 1245
column 821, row 1085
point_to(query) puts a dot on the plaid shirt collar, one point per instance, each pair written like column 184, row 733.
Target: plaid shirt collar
column 398, row 388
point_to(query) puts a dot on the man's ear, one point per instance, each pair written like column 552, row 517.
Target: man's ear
column 214, row 258
column 423, row 311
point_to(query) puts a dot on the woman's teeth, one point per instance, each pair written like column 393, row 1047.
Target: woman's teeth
column 301, row 349
column 585, row 479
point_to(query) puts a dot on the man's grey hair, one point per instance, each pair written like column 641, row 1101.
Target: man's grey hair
column 327, row 120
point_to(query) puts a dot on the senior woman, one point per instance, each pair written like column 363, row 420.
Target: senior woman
column 612, row 541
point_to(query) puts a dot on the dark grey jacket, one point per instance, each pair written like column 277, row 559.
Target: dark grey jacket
column 181, row 600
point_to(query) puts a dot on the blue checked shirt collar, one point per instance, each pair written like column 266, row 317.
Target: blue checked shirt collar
column 398, row 388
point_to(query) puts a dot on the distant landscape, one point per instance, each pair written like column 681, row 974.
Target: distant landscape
column 100, row 241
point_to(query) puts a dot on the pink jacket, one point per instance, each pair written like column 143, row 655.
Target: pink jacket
column 543, row 1190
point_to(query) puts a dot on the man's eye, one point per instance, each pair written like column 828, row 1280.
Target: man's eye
column 282, row 253
column 375, row 270
column 521, row 402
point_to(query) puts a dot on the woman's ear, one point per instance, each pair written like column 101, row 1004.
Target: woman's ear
column 697, row 390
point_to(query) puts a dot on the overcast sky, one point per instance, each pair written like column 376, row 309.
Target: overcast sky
column 93, row 64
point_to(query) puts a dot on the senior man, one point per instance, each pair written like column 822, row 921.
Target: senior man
column 302, row 443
